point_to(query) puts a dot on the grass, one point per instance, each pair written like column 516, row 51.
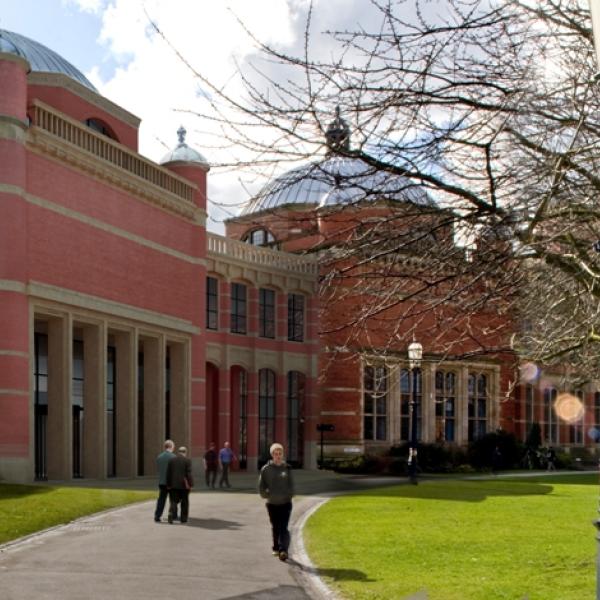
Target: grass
column 25, row 509
column 491, row 539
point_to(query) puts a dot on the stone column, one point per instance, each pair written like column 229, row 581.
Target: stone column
column 126, row 395
column 462, row 406
column 94, row 401
column 154, row 401
column 180, row 391
column 60, row 420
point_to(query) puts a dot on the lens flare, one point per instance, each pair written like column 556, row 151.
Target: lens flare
column 569, row 408
column 528, row 372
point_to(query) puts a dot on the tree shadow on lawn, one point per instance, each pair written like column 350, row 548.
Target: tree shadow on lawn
column 9, row 491
column 462, row 490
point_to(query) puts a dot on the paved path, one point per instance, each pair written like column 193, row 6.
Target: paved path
column 223, row 552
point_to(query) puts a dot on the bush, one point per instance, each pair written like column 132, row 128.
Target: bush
column 481, row 451
column 432, row 458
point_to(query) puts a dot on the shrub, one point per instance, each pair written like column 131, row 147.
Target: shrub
column 481, row 451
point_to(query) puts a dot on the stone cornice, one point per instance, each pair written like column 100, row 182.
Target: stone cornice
column 45, row 143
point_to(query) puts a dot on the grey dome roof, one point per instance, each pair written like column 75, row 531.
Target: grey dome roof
column 40, row 58
column 183, row 153
column 337, row 180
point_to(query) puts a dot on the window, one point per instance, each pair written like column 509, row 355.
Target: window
column 477, row 405
column 266, row 313
column 77, row 394
column 410, row 390
column 529, row 408
column 243, row 400
column 576, row 428
column 295, row 318
column 40, row 383
column 549, row 422
column 212, row 303
column 238, row 308
column 266, row 413
column 101, row 127
column 260, row 237
column 445, row 406
column 295, row 413
column 111, row 412
column 375, row 403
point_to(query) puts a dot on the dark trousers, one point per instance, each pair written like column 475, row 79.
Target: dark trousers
column 177, row 496
column 279, row 515
column 224, row 475
column 162, row 499
column 210, row 476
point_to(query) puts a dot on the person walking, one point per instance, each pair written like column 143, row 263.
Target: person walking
column 162, row 462
column 550, row 459
column 276, row 485
column 226, row 457
column 180, row 482
column 211, row 464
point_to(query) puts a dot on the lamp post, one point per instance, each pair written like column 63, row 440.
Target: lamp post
column 415, row 354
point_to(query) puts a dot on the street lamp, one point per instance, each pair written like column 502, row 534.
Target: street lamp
column 415, row 354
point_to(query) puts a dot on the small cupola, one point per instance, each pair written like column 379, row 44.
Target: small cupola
column 183, row 154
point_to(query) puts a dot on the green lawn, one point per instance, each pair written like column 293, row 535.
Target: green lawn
column 25, row 509
column 461, row 540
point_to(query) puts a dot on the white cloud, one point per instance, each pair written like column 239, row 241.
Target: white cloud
column 89, row 6
column 153, row 83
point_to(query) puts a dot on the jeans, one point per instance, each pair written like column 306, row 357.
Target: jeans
column 210, row 476
column 160, row 503
column 224, row 475
column 279, row 515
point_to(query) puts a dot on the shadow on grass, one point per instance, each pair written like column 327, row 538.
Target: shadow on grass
column 9, row 491
column 334, row 574
column 462, row 491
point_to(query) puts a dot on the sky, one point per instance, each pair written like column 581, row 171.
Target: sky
column 113, row 44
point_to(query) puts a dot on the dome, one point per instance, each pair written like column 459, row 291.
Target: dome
column 183, row 153
column 40, row 58
column 337, row 180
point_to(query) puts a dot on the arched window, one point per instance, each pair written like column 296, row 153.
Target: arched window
column 266, row 413
column 101, row 127
column 445, row 406
column 261, row 237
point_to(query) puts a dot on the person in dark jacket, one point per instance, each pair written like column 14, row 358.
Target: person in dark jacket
column 211, row 464
column 276, row 485
column 180, row 482
column 162, row 462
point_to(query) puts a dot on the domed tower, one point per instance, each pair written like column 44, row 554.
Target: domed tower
column 188, row 163
column 324, row 201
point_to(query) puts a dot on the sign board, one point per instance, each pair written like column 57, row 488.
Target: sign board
column 325, row 427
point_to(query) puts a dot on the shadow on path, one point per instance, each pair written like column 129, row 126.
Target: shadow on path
column 287, row 592
column 213, row 524
column 335, row 574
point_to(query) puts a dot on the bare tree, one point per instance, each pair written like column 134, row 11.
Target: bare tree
column 476, row 127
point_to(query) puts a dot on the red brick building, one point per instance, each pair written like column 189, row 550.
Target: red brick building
column 123, row 322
